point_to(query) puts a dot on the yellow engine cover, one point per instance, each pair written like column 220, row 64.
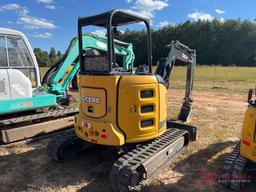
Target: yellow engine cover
column 248, row 140
column 139, row 102
column 115, row 110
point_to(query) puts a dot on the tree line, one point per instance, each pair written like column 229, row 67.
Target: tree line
column 46, row 59
column 232, row 42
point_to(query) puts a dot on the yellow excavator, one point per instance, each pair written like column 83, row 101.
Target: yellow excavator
column 239, row 172
column 126, row 110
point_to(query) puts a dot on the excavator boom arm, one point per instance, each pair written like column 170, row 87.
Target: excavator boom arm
column 173, row 52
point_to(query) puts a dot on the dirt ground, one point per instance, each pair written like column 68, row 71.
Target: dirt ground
column 218, row 116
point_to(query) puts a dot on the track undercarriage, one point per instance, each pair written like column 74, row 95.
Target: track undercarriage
column 239, row 173
column 136, row 163
column 23, row 126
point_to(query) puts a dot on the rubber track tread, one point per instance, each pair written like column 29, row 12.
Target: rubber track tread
column 125, row 166
column 238, row 171
column 229, row 166
column 234, row 167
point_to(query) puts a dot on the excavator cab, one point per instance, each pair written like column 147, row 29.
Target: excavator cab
column 17, row 60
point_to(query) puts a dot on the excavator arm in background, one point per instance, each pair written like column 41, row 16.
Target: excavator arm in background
column 54, row 77
column 174, row 52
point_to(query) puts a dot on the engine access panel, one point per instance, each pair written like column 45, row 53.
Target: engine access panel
column 115, row 110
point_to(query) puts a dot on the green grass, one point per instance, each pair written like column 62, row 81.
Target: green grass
column 230, row 79
column 216, row 78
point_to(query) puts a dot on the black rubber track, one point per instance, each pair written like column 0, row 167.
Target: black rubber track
column 229, row 166
column 128, row 173
column 235, row 172
column 66, row 146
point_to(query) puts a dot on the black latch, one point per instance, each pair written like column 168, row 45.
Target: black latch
column 90, row 109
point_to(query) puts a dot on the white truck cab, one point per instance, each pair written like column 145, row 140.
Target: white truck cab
column 19, row 71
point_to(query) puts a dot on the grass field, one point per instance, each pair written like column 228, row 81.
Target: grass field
column 218, row 112
column 214, row 78
column 229, row 79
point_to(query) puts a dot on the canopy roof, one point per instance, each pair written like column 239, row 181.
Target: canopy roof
column 119, row 17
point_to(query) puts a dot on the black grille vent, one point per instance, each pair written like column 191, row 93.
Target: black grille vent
column 147, row 123
column 147, row 109
column 146, row 94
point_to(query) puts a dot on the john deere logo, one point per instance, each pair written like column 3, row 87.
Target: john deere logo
column 91, row 99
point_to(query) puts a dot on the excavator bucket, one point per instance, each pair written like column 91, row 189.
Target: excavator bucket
column 185, row 114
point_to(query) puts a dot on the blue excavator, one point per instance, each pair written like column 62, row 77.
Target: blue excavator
column 29, row 107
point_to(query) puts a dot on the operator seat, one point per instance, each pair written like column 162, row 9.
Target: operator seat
column 142, row 70
column 91, row 53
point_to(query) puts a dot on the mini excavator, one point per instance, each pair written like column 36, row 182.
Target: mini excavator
column 239, row 172
column 127, row 109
